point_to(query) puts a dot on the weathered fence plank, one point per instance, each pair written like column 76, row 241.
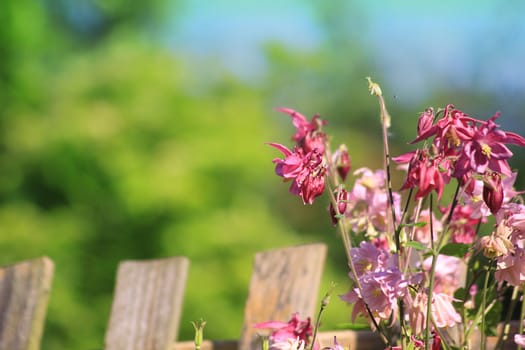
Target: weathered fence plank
column 147, row 304
column 24, row 295
column 283, row 281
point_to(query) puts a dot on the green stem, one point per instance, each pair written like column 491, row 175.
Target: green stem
column 484, row 309
column 522, row 316
column 431, row 279
column 506, row 324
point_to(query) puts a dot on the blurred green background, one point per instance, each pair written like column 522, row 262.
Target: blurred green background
column 136, row 130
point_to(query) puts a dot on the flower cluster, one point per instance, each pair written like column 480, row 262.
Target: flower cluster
column 441, row 263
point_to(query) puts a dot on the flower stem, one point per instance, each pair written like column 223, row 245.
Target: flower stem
column 484, row 309
column 522, row 316
column 506, row 324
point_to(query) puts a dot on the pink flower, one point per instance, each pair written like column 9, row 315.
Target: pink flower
column 443, row 312
column 425, row 173
column 422, row 234
column 286, row 333
column 380, row 291
column 463, row 224
column 519, row 339
column 342, row 163
column 486, row 149
column 493, row 192
column 368, row 204
column 353, row 297
column 368, row 258
column 336, row 346
column 454, row 127
column 308, row 134
column 447, row 274
column 307, row 170
column 341, row 197
column 511, row 268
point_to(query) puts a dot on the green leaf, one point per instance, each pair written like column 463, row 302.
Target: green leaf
column 455, row 249
column 415, row 224
column 416, row 245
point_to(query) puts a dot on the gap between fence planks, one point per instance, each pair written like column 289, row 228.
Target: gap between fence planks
column 24, row 295
column 147, row 304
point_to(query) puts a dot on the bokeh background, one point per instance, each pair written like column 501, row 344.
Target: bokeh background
column 136, row 130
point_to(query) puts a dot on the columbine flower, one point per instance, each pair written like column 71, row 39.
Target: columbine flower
column 341, row 197
column 497, row 243
column 368, row 258
column 288, row 344
column 424, row 172
column 342, row 163
column 368, row 204
column 486, row 149
column 288, row 334
column 463, row 223
column 511, row 268
column 307, row 170
column 422, row 234
column 493, row 192
column 381, row 290
column 519, row 339
column 308, row 134
column 443, row 312
column 447, row 275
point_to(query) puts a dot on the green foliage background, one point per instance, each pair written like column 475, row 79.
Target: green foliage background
column 113, row 148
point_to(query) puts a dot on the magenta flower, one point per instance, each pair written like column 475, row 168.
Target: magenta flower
column 291, row 330
column 306, row 170
column 454, row 127
column 308, row 134
column 426, row 173
column 342, row 163
column 486, row 149
column 341, row 197
column 493, row 194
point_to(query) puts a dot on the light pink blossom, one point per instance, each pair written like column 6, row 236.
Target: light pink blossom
column 511, row 268
column 519, row 339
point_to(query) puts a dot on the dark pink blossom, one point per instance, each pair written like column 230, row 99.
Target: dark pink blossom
column 308, row 134
column 486, row 149
column 307, row 170
column 425, row 173
column 454, row 127
column 493, row 192
column 341, row 197
column 293, row 329
column 341, row 161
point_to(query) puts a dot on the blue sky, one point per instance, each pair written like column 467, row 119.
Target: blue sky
column 415, row 45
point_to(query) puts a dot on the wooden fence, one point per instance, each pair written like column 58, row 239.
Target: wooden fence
column 148, row 300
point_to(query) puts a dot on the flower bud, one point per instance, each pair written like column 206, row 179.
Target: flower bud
column 342, row 162
column 493, row 192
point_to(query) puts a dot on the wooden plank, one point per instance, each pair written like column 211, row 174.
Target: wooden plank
column 24, row 295
column 147, row 304
column 284, row 281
